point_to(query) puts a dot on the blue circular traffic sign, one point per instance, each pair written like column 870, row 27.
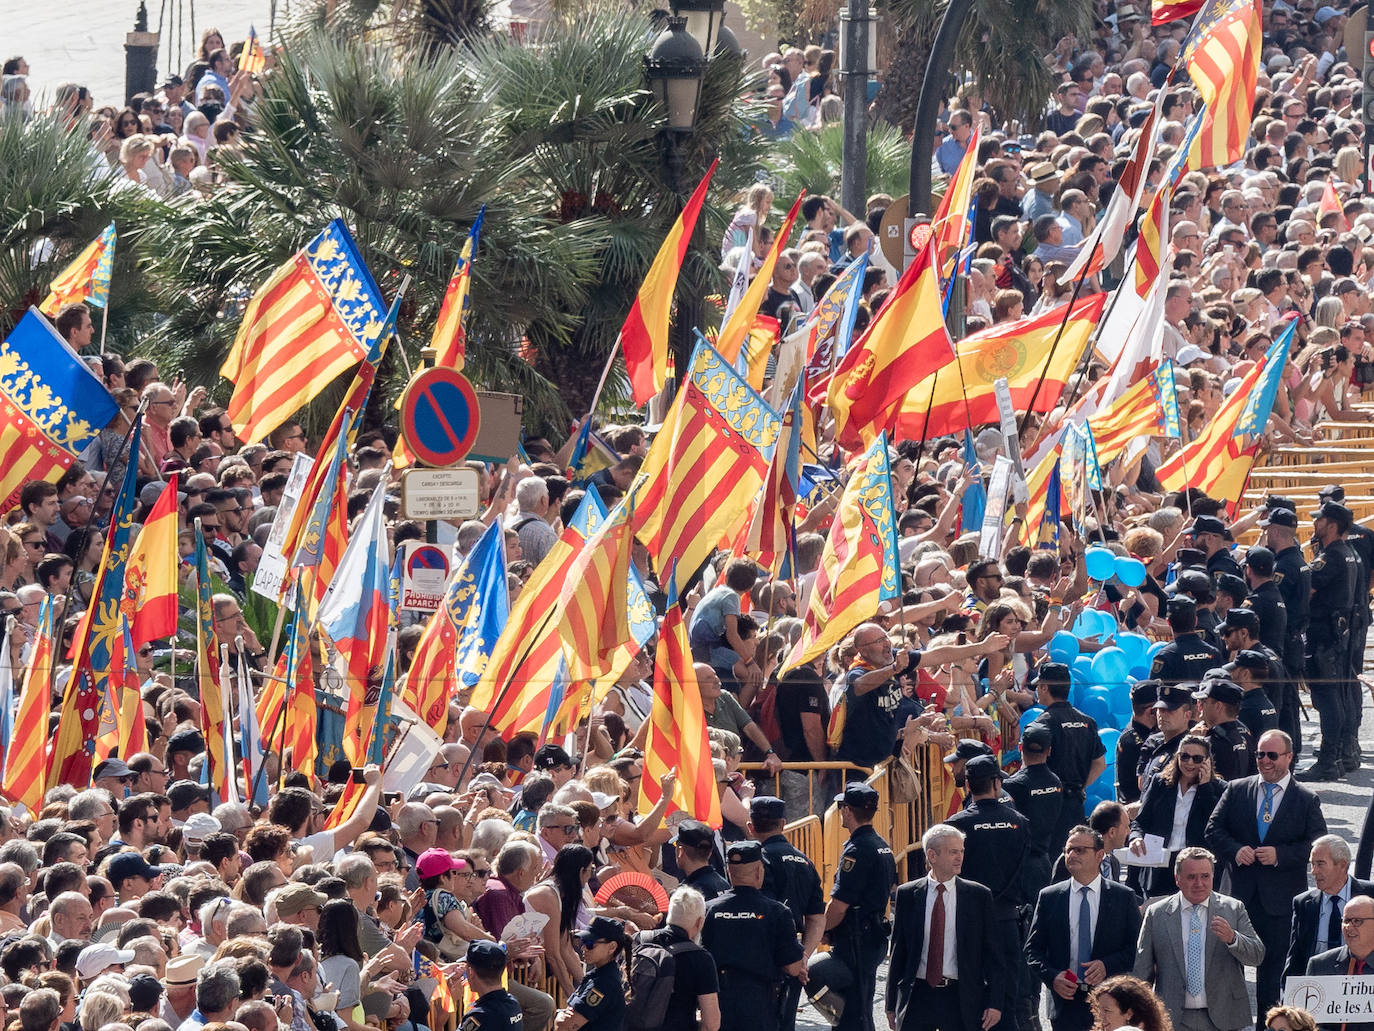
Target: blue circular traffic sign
column 440, row 416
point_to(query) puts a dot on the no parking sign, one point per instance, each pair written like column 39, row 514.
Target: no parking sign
column 424, row 575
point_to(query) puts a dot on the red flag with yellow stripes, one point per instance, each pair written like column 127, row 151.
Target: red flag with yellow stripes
column 1222, row 59
column 677, row 738
column 594, row 602
column 644, row 337
column 26, row 760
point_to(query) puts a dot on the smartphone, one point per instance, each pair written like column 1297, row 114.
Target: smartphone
column 390, row 797
column 356, row 775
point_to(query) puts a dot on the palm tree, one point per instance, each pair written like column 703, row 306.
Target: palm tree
column 1003, row 44
column 812, row 161
column 55, row 198
column 560, row 140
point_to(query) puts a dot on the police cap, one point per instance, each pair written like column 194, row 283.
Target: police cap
column 766, row 807
column 1261, row 560
column 967, row 748
column 1144, row 692
column 1206, row 524
column 1337, row 513
column 1240, row 619
column 1221, row 691
column 1249, row 658
column 1174, row 696
column 1036, row 738
column 694, row 834
column 1280, row 517
column 742, row 852
column 858, row 795
column 1196, row 583
column 1233, row 585
column 982, row 766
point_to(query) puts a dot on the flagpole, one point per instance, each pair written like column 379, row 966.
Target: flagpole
column 104, row 325
column 1059, row 334
column 605, row 372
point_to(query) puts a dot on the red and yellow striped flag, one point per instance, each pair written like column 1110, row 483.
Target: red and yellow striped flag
column 677, row 738
column 87, row 278
column 949, row 228
column 1019, row 352
column 26, row 761
column 906, row 341
column 594, row 616
column 252, row 59
column 705, row 466
column 644, row 337
column 149, row 603
column 1331, row 205
column 292, row 679
column 1153, row 238
column 318, row 315
column 736, row 330
column 1216, row 462
column 1136, row 413
column 450, row 340
column 1162, row 11
column 859, row 566
column 212, row 693
column 1222, row 59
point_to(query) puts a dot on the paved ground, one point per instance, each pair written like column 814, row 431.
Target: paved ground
column 82, row 41
column 1344, row 805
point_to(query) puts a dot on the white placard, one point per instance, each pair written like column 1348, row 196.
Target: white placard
column 999, row 486
column 413, row 754
column 1333, row 1000
column 271, row 572
column 1011, row 439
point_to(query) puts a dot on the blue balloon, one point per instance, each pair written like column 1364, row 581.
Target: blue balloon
column 1083, row 666
column 1155, row 649
column 1063, row 647
column 1086, row 625
column 1095, row 705
column 1106, row 625
column 1108, row 738
column 1130, row 571
column 1101, row 563
column 1110, row 667
column 1140, row 673
column 1134, row 645
column 1121, row 703
column 1030, row 715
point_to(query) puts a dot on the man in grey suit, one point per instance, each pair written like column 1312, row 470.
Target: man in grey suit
column 1194, row 946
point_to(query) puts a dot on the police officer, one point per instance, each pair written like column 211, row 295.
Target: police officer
column 1266, row 599
column 1038, row 795
column 694, row 843
column 495, row 1008
column 1198, row 586
column 1077, row 754
column 996, row 843
column 965, row 749
column 1187, row 657
column 790, row 878
column 753, row 941
column 1233, row 752
column 856, row 915
column 1291, row 574
column 1335, row 575
column 1144, row 694
column 599, row 998
column 1211, row 536
column 1249, row 669
column 1361, row 542
column 1174, row 710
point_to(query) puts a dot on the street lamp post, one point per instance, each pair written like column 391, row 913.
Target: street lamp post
column 858, row 57
column 674, row 66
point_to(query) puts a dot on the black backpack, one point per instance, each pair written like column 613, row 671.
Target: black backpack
column 653, row 972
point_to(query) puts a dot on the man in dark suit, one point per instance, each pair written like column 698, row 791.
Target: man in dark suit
column 943, row 973
column 1086, row 925
column 1353, row 959
column 1263, row 828
column 1317, row 912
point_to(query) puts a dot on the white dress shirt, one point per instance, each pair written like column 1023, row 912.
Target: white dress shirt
column 1198, row 1001
column 951, row 960
column 1094, row 890
column 1183, row 807
column 1280, row 786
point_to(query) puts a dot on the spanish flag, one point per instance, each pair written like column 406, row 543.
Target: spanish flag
column 252, row 59
column 1022, row 352
column 85, row 279
column 859, row 564
column 149, row 603
column 318, row 315
column 741, row 322
column 951, row 223
column 677, row 738
column 450, row 341
column 645, row 333
column 906, row 341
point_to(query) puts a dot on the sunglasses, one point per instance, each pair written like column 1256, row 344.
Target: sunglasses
column 1271, row 756
column 1188, row 757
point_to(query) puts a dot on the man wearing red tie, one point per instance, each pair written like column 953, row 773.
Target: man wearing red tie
column 1354, row 957
column 943, row 974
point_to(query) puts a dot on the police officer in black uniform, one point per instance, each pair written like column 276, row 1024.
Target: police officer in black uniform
column 1335, row 576
column 1250, row 668
column 753, row 941
column 1233, row 749
column 1232, row 592
column 790, row 878
column 1077, row 754
column 1280, row 526
column 694, row 843
column 599, row 998
column 1361, row 542
column 965, row 748
column 1038, row 795
column 996, row 845
column 495, row 1008
column 1197, row 586
column 856, row 915
column 1187, row 657
column 1211, row 536
column 1265, row 598
column 1144, row 694
column 1175, row 710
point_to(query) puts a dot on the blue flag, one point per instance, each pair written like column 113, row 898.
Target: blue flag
column 480, row 591
column 976, row 497
column 1260, row 404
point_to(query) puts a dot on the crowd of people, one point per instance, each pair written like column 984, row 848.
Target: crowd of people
column 1132, row 860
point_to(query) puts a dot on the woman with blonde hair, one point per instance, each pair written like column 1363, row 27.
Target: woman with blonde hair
column 758, row 199
column 1349, row 165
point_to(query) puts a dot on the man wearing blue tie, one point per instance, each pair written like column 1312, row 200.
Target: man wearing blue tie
column 1317, row 912
column 1263, row 828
